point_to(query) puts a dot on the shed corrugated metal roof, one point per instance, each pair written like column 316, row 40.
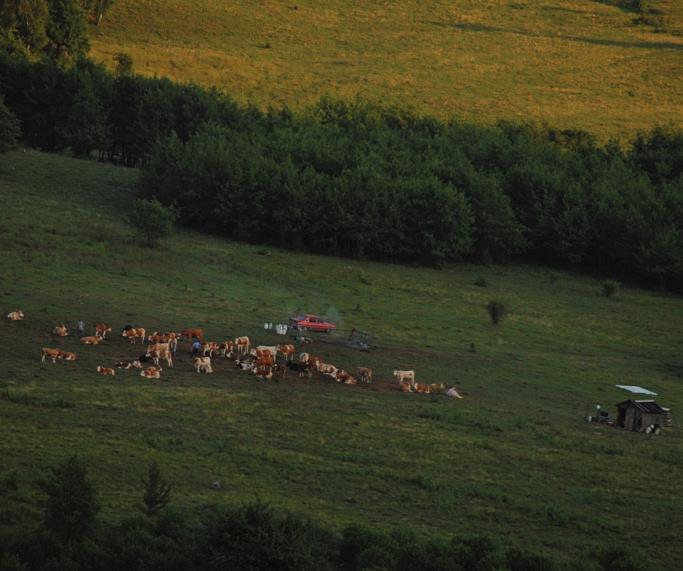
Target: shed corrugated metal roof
column 648, row 406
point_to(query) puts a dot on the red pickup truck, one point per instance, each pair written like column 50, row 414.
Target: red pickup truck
column 309, row 322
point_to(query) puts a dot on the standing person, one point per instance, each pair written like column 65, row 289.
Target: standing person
column 196, row 347
column 81, row 328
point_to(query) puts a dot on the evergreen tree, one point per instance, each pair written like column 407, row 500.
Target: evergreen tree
column 71, row 505
column 157, row 491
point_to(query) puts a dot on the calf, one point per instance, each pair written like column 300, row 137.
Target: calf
column 101, row 329
column 364, row 374
column 202, row 364
column 69, row 356
column 60, row 330
column 106, row 371
column 91, row 340
column 17, row 315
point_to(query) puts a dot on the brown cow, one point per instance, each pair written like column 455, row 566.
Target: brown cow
column 106, row 371
column 91, row 340
column 101, row 329
column 160, row 351
column 134, row 333
column 406, row 387
column 243, row 344
column 209, row 348
column 69, row 356
column 53, row 354
column 17, row 315
column 60, row 330
column 364, row 374
column 265, row 373
column 287, row 351
column 226, row 348
column 193, row 333
column 422, row 388
column 151, row 373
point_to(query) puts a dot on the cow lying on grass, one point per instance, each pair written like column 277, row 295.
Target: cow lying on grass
column 17, row 315
column 101, row 329
column 136, row 364
column 106, row 371
column 151, row 373
column 60, row 330
column 91, row 340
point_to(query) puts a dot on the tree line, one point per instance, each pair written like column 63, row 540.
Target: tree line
column 253, row 535
column 361, row 180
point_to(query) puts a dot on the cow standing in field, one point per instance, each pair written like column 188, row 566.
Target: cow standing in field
column 405, row 376
column 47, row 353
column 242, row 344
column 364, row 374
column 160, row 351
column 202, row 364
column 101, row 329
column 287, row 351
column 193, row 333
column 209, row 348
column 264, row 373
column 133, row 334
column 226, row 349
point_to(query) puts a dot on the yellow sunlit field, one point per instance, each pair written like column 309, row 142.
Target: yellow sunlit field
column 573, row 64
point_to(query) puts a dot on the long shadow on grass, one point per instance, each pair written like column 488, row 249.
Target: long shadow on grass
column 593, row 41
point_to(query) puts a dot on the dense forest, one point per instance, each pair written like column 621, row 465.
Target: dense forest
column 353, row 179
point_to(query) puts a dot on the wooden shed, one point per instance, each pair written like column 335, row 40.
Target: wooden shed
column 638, row 415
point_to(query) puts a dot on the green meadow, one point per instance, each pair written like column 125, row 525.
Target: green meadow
column 514, row 459
column 574, row 64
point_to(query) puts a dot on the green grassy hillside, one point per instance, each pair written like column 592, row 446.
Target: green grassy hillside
column 513, row 459
column 577, row 64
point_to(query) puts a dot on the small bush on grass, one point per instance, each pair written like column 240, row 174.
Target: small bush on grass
column 496, row 311
column 152, row 220
column 609, row 288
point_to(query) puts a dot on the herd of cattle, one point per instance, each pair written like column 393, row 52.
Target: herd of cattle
column 261, row 360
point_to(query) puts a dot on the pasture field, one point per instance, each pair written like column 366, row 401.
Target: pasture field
column 514, row 459
column 573, row 64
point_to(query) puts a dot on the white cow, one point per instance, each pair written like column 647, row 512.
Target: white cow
column 402, row 376
column 202, row 364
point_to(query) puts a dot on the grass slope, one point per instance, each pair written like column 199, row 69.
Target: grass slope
column 574, row 64
column 513, row 459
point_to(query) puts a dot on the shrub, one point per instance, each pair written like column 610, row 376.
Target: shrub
column 496, row 311
column 609, row 288
column 152, row 220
